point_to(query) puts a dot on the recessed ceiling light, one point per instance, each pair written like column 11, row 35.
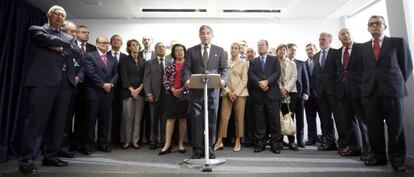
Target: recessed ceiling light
column 90, row 3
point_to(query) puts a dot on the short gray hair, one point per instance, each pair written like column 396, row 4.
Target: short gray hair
column 55, row 8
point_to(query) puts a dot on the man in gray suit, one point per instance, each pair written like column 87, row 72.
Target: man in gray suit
column 154, row 91
column 200, row 59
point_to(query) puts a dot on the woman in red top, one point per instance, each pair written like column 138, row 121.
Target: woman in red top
column 175, row 104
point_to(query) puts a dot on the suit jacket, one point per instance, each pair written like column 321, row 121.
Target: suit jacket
column 390, row 72
column 349, row 81
column 97, row 74
column 90, row 48
column 238, row 78
column 74, row 63
column 289, row 77
column 312, row 80
column 217, row 64
column 271, row 74
column 153, row 77
column 121, row 56
column 302, row 82
column 326, row 77
column 48, row 65
column 131, row 75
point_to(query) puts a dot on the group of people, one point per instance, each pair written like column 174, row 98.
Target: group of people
column 140, row 95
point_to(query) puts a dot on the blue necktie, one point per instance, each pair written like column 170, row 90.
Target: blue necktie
column 323, row 59
column 262, row 61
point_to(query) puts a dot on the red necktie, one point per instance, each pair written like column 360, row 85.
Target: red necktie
column 376, row 49
column 346, row 58
column 105, row 60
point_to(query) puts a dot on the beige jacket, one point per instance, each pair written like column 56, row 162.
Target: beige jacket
column 237, row 82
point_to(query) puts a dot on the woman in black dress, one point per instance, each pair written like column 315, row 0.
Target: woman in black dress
column 175, row 104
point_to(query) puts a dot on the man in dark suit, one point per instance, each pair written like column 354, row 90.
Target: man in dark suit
column 101, row 75
column 302, row 87
column 155, row 91
column 264, row 72
column 147, row 53
column 312, row 104
column 49, row 91
column 325, row 71
column 80, row 132
column 349, row 72
column 116, row 43
column 202, row 59
column 387, row 65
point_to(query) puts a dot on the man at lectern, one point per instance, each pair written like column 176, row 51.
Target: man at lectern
column 204, row 58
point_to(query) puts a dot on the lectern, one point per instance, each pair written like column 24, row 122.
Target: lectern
column 205, row 81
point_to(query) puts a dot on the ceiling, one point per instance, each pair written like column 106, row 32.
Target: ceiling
column 133, row 9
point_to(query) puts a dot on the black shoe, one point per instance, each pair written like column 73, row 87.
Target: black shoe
column 56, row 162
column 196, row 156
column 85, row 150
column 301, row 145
column 104, row 148
column 275, row 150
column 310, row 143
column 66, row 154
column 212, row 156
column 399, row 167
column 327, row 147
column 293, row 147
column 153, row 147
column 165, row 152
column 181, row 150
column 259, row 149
column 27, row 168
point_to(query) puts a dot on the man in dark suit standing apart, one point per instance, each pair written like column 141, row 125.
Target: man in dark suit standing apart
column 101, row 75
column 325, row 71
column 302, row 87
column 312, row 104
column 155, row 91
column 80, row 132
column 115, row 52
column 201, row 59
column 49, row 92
column 264, row 73
column 387, row 65
column 349, row 72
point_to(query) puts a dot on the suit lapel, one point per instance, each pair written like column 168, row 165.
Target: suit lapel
column 212, row 54
column 384, row 48
column 99, row 61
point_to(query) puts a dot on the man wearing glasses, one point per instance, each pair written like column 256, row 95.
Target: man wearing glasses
column 387, row 65
column 101, row 75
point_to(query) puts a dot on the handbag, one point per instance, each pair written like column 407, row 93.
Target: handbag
column 287, row 124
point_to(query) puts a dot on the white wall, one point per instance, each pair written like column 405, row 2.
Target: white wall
column 226, row 31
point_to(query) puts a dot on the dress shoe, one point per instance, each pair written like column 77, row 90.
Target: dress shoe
column 310, row 143
column 218, row 147
column 375, row 162
column 212, row 156
column 66, row 154
column 275, row 150
column 55, row 162
column 104, row 148
column 181, row 150
column 26, row 167
column 166, row 151
column 259, row 149
column 366, row 156
column 196, row 156
column 135, row 145
column 327, row 147
column 85, row 150
column 349, row 152
column 293, row 147
column 236, row 148
column 125, row 146
column 301, row 144
column 153, row 147
column 399, row 167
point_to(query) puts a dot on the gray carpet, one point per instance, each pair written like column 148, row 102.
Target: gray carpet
column 305, row 163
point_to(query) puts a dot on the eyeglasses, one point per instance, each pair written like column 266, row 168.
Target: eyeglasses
column 103, row 43
column 377, row 23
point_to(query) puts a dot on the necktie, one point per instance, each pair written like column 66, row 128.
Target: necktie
column 83, row 48
column 205, row 56
column 345, row 58
column 105, row 60
column 116, row 56
column 376, row 49
column 323, row 59
column 162, row 66
column 310, row 63
column 262, row 61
